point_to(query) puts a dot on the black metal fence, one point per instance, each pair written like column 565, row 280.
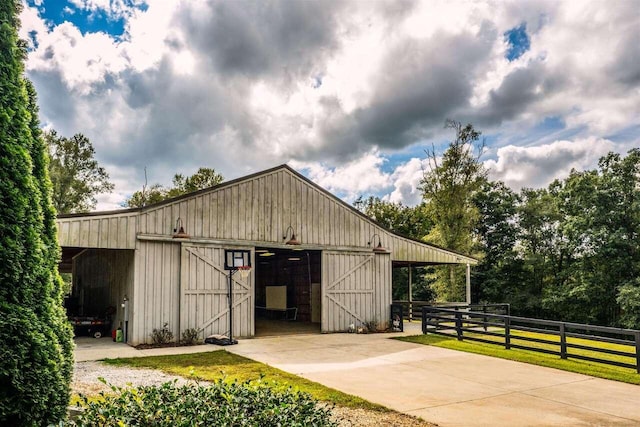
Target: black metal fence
column 413, row 309
column 466, row 323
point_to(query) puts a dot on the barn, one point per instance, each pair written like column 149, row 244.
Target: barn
column 318, row 264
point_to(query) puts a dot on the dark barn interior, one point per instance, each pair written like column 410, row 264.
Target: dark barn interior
column 287, row 286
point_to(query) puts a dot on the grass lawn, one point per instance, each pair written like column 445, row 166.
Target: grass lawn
column 626, row 375
column 221, row 364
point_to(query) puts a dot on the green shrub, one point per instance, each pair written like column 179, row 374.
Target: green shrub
column 162, row 336
column 219, row 404
column 36, row 358
column 191, row 336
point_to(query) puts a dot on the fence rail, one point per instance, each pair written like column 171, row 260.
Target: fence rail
column 466, row 323
column 413, row 309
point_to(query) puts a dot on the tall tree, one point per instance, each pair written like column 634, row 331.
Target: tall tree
column 409, row 221
column 35, row 341
column 448, row 187
column 499, row 274
column 75, row 173
column 203, row 178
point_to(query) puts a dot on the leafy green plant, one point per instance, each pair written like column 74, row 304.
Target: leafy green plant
column 191, row 336
column 36, row 346
column 163, row 335
column 219, row 404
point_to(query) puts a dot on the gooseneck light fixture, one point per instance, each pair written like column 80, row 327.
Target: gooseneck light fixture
column 292, row 240
column 178, row 231
column 379, row 248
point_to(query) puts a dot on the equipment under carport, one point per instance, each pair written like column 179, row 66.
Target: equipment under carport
column 92, row 326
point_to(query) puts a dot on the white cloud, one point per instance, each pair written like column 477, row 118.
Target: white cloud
column 406, row 181
column 359, row 177
column 336, row 87
column 538, row 166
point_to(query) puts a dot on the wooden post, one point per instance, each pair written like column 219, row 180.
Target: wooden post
column 563, row 342
column 507, row 333
column 484, row 319
column 459, row 325
column 469, row 284
column 410, row 296
column 637, row 352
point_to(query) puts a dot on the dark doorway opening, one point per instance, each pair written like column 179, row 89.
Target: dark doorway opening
column 287, row 285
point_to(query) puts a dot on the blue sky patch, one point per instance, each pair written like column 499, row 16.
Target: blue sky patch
column 87, row 21
column 518, row 41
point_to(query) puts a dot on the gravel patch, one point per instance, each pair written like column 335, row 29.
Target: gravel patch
column 85, row 377
column 85, row 381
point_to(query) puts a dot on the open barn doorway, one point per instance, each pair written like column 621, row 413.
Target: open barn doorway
column 288, row 296
column 99, row 290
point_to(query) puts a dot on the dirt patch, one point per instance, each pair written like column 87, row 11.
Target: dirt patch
column 366, row 418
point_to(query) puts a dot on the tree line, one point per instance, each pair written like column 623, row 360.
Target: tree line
column 570, row 251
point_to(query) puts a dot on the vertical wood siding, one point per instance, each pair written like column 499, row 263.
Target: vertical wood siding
column 157, row 289
column 204, row 290
column 261, row 209
column 115, row 231
column 356, row 288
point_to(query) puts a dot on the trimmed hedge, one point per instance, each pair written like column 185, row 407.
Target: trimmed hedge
column 219, row 404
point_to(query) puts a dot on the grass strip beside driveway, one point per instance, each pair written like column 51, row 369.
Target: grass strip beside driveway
column 572, row 365
column 214, row 365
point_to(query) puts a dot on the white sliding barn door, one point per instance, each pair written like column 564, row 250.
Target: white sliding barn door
column 354, row 289
column 204, row 288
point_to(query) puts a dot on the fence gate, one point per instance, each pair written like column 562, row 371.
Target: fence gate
column 354, row 289
column 203, row 291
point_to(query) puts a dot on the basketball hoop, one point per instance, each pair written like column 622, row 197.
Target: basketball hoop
column 244, row 271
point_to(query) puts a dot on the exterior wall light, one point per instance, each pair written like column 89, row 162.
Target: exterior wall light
column 379, row 248
column 178, row 231
column 292, row 240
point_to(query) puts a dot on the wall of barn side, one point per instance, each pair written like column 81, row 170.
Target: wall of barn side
column 110, row 231
column 156, row 289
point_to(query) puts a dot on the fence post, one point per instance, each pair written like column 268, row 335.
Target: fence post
column 638, row 352
column 484, row 320
column 507, row 333
column 425, row 320
column 563, row 342
column 459, row 325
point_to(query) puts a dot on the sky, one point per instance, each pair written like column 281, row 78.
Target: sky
column 349, row 93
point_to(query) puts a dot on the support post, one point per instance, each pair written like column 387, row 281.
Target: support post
column 231, row 306
column 484, row 319
column 563, row 342
column 507, row 333
column 468, row 284
column 637, row 336
column 458, row 324
column 410, row 296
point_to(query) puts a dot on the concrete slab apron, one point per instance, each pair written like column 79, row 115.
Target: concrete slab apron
column 448, row 387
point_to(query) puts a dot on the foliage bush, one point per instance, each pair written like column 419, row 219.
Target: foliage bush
column 219, row 404
column 163, row 335
column 36, row 358
column 191, row 336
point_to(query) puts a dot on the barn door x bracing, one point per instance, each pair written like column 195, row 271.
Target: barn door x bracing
column 356, row 289
column 204, row 293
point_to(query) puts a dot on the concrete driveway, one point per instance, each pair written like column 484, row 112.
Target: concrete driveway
column 448, row 387
column 442, row 386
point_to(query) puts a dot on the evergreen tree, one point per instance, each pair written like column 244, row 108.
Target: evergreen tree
column 35, row 340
